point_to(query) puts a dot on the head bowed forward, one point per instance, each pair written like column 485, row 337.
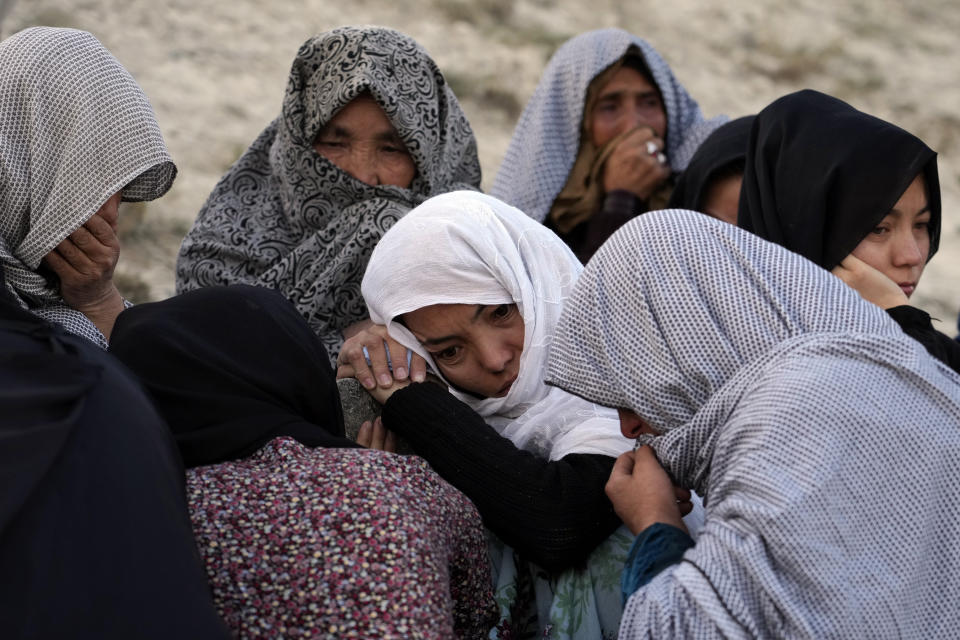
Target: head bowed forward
column 76, row 129
column 675, row 303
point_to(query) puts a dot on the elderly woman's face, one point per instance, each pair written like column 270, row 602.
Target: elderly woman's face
column 626, row 102
column 477, row 347
column 360, row 140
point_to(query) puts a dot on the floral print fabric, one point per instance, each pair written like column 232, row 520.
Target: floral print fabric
column 340, row 543
column 577, row 604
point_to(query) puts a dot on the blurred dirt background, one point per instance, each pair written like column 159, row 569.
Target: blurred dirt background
column 215, row 71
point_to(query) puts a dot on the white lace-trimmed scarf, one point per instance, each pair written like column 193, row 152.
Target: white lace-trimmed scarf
column 826, row 442
column 75, row 128
column 468, row 248
column 547, row 138
column 286, row 218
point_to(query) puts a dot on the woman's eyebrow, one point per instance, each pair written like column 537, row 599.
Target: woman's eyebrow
column 336, row 131
column 442, row 339
column 899, row 212
column 388, row 135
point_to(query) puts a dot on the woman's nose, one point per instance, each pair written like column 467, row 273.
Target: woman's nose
column 496, row 357
column 907, row 251
column 359, row 165
column 630, row 424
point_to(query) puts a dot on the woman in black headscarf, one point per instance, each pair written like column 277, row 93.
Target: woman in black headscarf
column 853, row 193
column 282, row 502
column 224, row 394
column 94, row 535
column 711, row 182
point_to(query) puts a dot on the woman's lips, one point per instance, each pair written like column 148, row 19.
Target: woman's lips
column 506, row 388
column 907, row 287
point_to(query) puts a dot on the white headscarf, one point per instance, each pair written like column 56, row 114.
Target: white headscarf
column 468, row 248
column 547, row 138
column 75, row 128
column 827, row 442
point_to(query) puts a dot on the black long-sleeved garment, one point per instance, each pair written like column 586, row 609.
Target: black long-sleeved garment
column 916, row 324
column 554, row 513
column 95, row 537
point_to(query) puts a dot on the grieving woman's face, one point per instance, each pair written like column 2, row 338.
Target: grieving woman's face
column 722, row 200
column 477, row 347
column 626, row 102
column 899, row 245
column 360, row 140
column 633, row 426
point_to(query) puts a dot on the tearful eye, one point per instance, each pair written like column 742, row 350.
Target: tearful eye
column 606, row 107
column 446, row 354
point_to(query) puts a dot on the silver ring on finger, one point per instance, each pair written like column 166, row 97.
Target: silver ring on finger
column 662, row 159
column 652, row 148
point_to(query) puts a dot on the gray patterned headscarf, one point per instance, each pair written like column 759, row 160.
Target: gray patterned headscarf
column 75, row 128
column 546, row 140
column 825, row 440
column 285, row 217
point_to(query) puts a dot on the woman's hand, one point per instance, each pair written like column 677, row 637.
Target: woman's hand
column 872, row 285
column 373, row 435
column 351, row 362
column 637, row 164
column 642, row 493
column 85, row 262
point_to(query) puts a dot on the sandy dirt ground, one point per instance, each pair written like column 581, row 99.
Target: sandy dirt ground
column 215, row 71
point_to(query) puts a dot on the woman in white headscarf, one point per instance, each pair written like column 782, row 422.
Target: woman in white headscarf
column 79, row 136
column 369, row 129
column 822, row 439
column 475, row 287
column 601, row 139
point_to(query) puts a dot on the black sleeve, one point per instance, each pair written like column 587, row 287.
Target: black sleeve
column 619, row 207
column 916, row 324
column 554, row 513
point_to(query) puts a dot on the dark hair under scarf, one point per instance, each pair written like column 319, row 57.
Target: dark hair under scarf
column 724, row 150
column 821, row 174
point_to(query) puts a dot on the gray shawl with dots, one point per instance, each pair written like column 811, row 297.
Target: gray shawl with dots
column 75, row 128
column 546, row 140
column 286, row 218
column 825, row 441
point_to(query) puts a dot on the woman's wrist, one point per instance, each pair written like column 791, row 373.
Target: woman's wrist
column 103, row 313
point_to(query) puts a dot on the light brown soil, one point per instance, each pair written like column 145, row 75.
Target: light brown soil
column 216, row 70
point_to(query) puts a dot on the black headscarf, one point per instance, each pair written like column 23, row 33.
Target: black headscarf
column 231, row 368
column 820, row 175
column 95, row 539
column 724, row 148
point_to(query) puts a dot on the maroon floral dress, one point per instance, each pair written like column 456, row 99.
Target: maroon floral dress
column 340, row 543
